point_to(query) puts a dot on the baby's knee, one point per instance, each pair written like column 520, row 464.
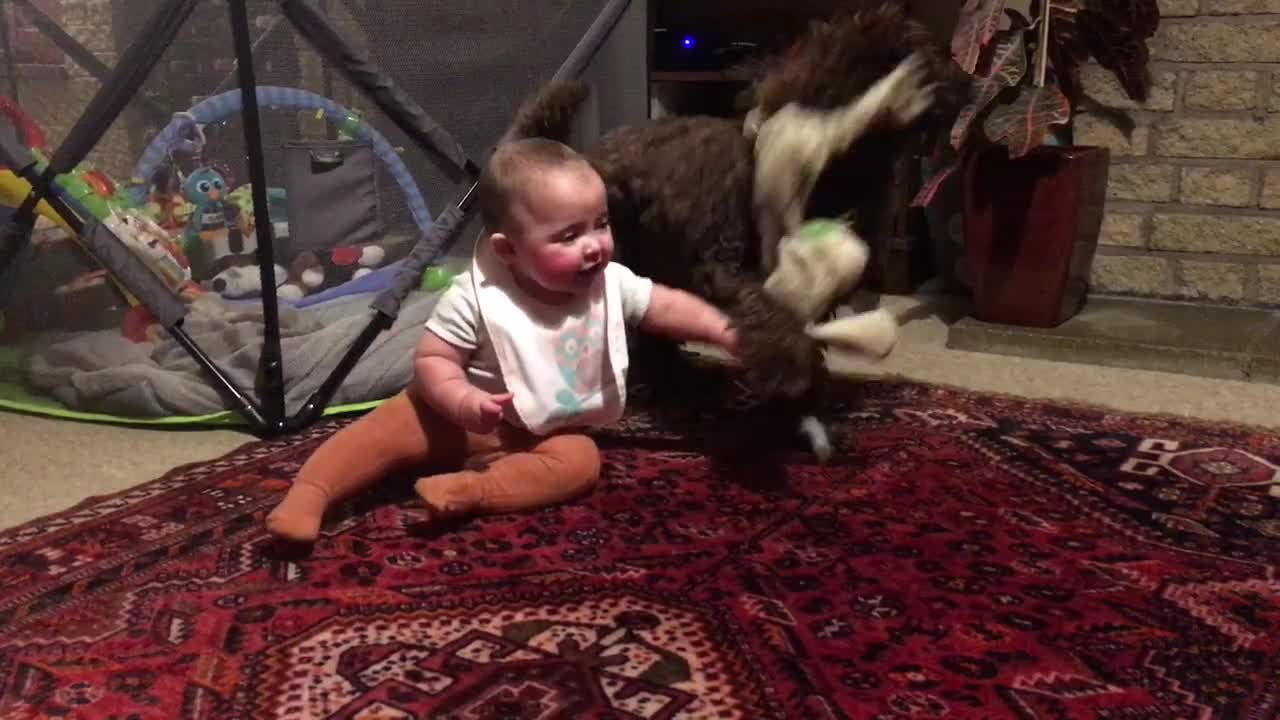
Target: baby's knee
column 578, row 458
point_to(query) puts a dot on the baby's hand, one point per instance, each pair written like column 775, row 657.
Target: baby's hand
column 481, row 412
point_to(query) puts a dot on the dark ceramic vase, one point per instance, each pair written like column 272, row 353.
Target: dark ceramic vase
column 1031, row 228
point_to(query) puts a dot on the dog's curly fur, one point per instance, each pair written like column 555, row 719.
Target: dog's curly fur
column 680, row 188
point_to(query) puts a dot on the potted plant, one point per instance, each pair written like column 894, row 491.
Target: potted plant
column 1032, row 201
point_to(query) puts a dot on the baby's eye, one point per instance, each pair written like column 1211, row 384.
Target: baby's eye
column 603, row 222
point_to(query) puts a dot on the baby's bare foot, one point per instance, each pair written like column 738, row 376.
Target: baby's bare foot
column 449, row 495
column 297, row 517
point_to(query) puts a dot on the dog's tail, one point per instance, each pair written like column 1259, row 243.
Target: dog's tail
column 549, row 112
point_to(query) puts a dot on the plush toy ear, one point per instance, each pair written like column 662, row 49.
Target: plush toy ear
column 872, row 334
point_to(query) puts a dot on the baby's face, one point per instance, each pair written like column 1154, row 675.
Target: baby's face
column 561, row 238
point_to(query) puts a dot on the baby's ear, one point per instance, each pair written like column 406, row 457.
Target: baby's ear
column 503, row 247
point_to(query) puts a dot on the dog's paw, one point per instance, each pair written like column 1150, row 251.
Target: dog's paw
column 813, row 429
column 904, row 94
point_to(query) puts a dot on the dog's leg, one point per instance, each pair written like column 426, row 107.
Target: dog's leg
column 816, row 432
column 769, row 229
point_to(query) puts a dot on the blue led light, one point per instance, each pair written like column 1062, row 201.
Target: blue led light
column 687, row 42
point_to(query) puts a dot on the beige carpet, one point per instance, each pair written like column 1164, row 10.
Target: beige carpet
column 49, row 465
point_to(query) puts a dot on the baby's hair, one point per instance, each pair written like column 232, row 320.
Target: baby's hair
column 511, row 166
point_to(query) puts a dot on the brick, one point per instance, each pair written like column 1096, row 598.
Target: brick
column 1228, row 234
column 1217, row 40
column 1140, row 274
column 1216, row 186
column 73, row 69
column 1271, row 190
column 1269, row 284
column 1122, row 230
column 1222, row 90
column 75, row 13
column 94, row 38
column 56, row 101
column 99, row 12
column 1103, row 86
column 1212, row 280
column 1218, row 138
column 1143, row 183
column 1179, row 8
column 1090, row 130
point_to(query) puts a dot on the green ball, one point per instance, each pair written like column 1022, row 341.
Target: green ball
column 436, row 279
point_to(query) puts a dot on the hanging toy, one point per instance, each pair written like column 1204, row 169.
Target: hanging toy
column 209, row 242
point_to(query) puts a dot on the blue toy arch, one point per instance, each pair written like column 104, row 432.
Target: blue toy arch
column 222, row 106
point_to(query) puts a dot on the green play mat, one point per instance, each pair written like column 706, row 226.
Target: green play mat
column 17, row 397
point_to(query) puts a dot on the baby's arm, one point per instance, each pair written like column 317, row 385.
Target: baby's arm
column 686, row 317
column 437, row 368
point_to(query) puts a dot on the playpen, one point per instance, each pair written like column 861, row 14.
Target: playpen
column 242, row 212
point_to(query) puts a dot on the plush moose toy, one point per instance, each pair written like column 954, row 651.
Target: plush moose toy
column 817, row 264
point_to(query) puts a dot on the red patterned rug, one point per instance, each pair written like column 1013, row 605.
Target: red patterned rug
column 966, row 557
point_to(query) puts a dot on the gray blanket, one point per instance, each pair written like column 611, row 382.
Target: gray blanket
column 103, row 372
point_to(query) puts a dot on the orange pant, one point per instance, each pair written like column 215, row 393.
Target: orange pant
column 506, row 471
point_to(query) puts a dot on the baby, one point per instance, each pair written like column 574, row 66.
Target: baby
column 522, row 355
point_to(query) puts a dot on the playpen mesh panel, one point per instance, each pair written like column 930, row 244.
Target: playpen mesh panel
column 349, row 197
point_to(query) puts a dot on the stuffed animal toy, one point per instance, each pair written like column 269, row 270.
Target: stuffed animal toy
column 310, row 271
column 818, row 263
column 206, row 237
column 242, row 200
column 245, row 281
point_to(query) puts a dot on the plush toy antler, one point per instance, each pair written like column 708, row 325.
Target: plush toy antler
column 820, row 262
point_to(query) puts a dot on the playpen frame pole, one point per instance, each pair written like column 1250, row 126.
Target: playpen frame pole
column 136, row 63
column 407, row 115
column 422, row 130
column 117, row 90
column 270, row 362
column 25, row 168
column 10, row 64
column 425, row 133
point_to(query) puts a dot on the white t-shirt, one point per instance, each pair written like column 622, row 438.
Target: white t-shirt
column 457, row 319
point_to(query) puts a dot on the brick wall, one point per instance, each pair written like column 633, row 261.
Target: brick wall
column 1194, row 198
column 55, row 91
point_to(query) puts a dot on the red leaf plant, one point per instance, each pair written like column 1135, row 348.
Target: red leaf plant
column 1026, row 71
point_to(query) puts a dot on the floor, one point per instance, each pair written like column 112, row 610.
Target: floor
column 48, row 465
